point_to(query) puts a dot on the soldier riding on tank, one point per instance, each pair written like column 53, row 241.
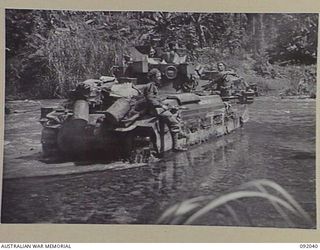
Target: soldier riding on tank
column 156, row 106
column 227, row 82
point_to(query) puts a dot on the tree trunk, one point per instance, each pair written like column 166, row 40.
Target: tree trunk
column 261, row 36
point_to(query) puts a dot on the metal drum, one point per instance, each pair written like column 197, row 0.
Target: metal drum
column 81, row 110
column 117, row 111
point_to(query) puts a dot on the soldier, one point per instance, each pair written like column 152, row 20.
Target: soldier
column 171, row 55
column 150, row 91
column 228, row 80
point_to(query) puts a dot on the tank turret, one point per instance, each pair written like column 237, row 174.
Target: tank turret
column 178, row 74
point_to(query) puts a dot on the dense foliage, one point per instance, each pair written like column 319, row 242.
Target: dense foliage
column 47, row 52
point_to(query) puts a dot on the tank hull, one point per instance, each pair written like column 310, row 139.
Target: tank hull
column 86, row 134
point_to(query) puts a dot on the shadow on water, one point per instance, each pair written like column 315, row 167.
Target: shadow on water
column 35, row 156
column 304, row 156
column 89, row 158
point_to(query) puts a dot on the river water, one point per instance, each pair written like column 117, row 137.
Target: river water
column 277, row 144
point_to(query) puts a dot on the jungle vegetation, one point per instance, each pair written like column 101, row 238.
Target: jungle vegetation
column 49, row 51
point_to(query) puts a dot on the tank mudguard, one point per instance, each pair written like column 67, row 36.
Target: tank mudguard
column 163, row 139
column 145, row 123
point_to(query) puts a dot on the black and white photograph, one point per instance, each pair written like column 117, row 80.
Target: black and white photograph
column 160, row 118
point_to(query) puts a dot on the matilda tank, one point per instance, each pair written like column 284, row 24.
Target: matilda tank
column 101, row 120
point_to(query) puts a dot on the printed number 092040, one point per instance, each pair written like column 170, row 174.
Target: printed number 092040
column 308, row 245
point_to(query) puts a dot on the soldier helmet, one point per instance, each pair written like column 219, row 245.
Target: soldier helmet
column 153, row 72
column 222, row 63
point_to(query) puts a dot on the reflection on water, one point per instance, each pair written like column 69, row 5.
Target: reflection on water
column 278, row 144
